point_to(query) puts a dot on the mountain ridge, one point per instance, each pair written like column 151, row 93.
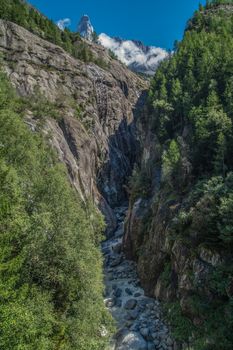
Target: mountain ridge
column 138, row 57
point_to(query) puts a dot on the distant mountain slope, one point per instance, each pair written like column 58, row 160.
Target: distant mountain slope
column 138, row 57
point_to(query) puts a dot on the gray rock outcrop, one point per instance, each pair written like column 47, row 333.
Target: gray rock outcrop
column 98, row 144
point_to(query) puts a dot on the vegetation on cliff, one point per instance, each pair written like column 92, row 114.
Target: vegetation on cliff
column 191, row 114
column 19, row 12
column 50, row 265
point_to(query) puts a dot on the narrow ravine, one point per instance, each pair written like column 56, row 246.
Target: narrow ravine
column 138, row 317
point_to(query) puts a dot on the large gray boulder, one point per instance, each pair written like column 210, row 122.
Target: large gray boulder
column 129, row 340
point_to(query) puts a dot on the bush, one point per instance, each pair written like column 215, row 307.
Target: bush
column 170, row 161
column 139, row 183
column 182, row 326
column 51, row 282
column 27, row 16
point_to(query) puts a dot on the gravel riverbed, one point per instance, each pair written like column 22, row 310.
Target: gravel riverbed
column 138, row 317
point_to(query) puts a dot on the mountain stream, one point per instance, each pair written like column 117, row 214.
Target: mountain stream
column 138, row 318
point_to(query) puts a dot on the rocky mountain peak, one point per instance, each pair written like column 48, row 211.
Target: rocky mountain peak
column 134, row 54
column 85, row 27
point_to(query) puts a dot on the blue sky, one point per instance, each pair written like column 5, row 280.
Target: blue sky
column 155, row 22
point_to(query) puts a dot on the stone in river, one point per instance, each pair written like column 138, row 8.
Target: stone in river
column 128, row 291
column 151, row 346
column 118, row 293
column 131, row 341
column 116, row 261
column 132, row 314
column 130, row 304
column 144, row 332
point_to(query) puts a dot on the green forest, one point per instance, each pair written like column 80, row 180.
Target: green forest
column 51, row 283
column 23, row 14
column 191, row 112
column 50, row 264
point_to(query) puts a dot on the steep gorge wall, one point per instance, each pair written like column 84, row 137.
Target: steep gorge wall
column 178, row 228
column 176, row 270
column 98, row 144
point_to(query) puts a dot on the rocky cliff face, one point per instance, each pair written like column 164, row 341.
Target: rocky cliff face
column 98, row 144
column 172, row 228
column 170, row 268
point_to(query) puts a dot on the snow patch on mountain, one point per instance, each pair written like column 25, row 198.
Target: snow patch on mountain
column 134, row 54
column 138, row 57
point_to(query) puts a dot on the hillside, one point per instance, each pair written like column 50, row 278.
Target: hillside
column 60, row 110
column 181, row 192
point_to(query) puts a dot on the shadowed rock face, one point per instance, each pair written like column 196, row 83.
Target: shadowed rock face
column 172, row 267
column 99, row 146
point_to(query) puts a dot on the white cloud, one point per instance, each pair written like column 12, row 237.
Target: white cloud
column 132, row 55
column 63, row 23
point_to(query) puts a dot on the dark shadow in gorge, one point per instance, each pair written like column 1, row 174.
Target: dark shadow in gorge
column 124, row 150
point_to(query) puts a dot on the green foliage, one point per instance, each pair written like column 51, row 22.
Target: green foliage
column 50, row 264
column 101, row 62
column 207, row 221
column 193, row 91
column 83, row 52
column 166, row 274
column 95, row 37
column 213, row 334
column 25, row 15
column 170, row 161
column 112, row 55
column 211, row 3
column 182, row 326
column 41, row 107
column 139, row 183
column 191, row 114
column 218, row 327
column 216, row 324
column 208, row 216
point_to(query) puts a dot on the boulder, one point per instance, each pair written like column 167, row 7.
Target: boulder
column 145, row 332
column 151, row 346
column 128, row 291
column 133, row 314
column 116, row 261
column 130, row 304
column 118, row 293
column 116, row 248
column 129, row 340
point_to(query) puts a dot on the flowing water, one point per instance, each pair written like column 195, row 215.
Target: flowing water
column 138, row 317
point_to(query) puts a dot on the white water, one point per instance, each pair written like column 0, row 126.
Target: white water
column 139, row 324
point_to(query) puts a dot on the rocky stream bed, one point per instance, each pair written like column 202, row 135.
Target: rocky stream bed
column 138, row 317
